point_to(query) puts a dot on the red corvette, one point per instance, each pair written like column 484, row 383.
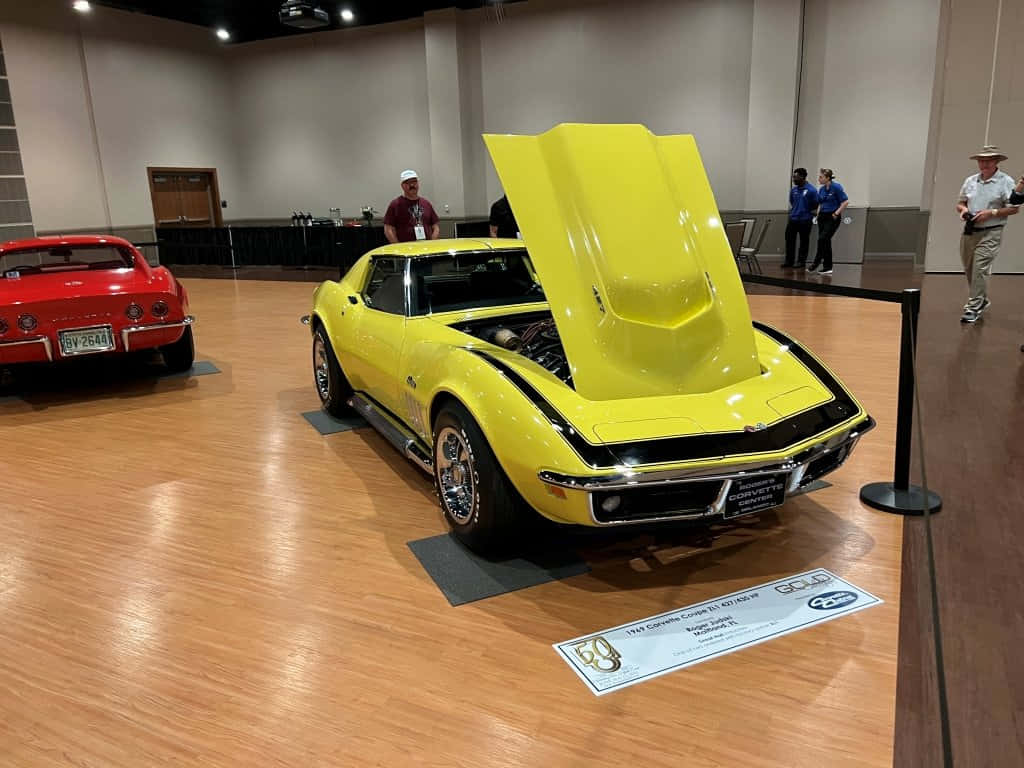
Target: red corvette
column 63, row 297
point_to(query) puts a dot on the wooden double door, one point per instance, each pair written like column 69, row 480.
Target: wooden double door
column 185, row 197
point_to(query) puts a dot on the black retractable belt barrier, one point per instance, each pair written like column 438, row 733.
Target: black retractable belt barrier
column 899, row 496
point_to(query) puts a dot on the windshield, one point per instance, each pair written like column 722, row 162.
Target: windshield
column 62, row 258
column 474, row 279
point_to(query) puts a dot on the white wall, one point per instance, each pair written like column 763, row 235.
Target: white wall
column 772, row 110
column 331, row 119
column 43, row 60
column 159, row 96
column 677, row 67
column 865, row 99
column 444, row 110
column 173, row 110
column 967, row 61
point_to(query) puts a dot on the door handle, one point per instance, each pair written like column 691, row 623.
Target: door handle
column 353, row 300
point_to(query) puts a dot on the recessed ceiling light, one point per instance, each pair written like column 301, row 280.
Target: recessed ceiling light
column 347, row 15
column 223, row 34
column 82, row 6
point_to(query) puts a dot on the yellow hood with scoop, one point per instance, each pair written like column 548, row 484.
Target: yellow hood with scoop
column 624, row 233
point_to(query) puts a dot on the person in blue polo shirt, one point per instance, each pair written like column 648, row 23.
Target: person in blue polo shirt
column 803, row 200
column 832, row 201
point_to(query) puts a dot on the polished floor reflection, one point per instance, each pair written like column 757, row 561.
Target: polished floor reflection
column 190, row 574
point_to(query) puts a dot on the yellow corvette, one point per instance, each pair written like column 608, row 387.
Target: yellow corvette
column 607, row 374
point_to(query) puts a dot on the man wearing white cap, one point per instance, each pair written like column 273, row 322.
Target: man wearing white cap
column 409, row 216
column 983, row 205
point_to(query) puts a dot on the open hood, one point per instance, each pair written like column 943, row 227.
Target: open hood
column 623, row 230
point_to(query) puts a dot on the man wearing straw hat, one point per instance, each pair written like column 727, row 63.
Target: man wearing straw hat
column 983, row 205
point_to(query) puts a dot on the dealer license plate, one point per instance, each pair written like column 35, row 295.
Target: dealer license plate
column 753, row 494
column 83, row 341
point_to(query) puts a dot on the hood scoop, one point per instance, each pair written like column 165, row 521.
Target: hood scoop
column 624, row 233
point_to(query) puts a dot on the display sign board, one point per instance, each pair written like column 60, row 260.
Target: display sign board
column 631, row 653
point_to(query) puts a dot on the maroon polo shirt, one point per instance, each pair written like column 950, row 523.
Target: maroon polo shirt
column 404, row 215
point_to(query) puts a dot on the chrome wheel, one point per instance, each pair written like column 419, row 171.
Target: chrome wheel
column 321, row 368
column 455, row 476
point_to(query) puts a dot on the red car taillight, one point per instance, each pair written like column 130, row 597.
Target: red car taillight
column 160, row 309
column 27, row 323
column 134, row 311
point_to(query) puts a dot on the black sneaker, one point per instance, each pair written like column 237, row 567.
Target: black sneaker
column 969, row 316
column 984, row 306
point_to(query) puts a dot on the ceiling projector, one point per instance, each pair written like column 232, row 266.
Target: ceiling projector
column 303, row 14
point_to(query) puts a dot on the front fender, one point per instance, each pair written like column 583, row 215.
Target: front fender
column 522, row 438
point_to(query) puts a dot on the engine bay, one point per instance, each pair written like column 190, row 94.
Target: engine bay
column 533, row 335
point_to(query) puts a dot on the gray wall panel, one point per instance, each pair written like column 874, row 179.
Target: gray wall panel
column 10, row 164
column 8, row 140
column 13, row 189
column 894, row 230
column 16, row 233
column 14, row 207
column 15, row 212
column 870, row 233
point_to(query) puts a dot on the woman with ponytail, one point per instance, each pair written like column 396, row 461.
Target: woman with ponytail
column 832, row 201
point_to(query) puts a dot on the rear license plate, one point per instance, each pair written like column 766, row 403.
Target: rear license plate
column 753, row 494
column 83, row 341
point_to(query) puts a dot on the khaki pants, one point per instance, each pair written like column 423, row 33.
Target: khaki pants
column 978, row 252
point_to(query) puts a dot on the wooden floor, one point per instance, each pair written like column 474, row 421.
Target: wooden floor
column 972, row 390
column 191, row 575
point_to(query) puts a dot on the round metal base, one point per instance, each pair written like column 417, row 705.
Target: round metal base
column 886, row 497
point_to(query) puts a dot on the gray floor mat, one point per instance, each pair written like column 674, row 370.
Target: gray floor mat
column 464, row 576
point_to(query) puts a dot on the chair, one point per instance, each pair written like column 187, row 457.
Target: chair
column 749, row 253
column 734, row 234
column 748, row 230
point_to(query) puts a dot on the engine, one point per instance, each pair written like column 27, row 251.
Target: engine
column 533, row 336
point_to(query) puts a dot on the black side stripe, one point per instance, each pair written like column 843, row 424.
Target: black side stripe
column 776, row 437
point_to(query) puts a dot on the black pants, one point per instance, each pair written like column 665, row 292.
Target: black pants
column 827, row 227
column 794, row 228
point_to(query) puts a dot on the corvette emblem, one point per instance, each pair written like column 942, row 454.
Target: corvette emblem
column 755, row 427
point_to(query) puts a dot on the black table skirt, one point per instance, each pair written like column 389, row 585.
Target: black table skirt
column 294, row 247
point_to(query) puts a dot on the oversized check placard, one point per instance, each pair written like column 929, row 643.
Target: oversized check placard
column 631, row 653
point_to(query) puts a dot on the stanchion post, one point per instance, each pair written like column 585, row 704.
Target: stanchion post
column 910, row 306
column 899, row 496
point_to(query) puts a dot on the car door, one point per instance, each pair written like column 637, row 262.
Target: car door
column 379, row 331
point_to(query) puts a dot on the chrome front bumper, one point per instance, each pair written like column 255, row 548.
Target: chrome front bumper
column 127, row 332
column 795, row 467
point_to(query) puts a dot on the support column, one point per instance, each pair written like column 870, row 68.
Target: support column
column 772, row 113
column 445, row 185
